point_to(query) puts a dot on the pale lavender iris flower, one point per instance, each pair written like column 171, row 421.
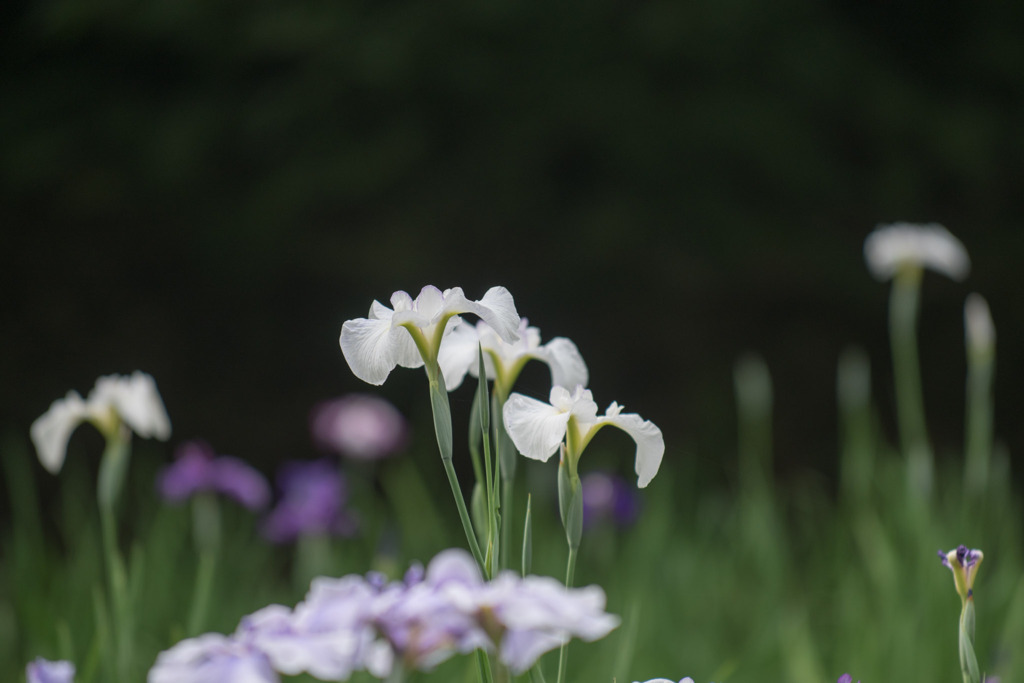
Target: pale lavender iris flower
column 212, row 658
column 359, row 427
column 197, row 469
column 313, row 497
column 44, row 671
column 357, row 623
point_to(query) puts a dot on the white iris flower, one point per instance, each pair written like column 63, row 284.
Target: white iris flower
column 538, row 429
column 891, row 248
column 503, row 361
column 116, row 400
column 411, row 333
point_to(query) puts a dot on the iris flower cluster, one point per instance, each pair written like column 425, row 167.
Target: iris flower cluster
column 363, row 623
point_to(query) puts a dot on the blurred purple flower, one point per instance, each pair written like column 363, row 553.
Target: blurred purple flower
column 212, row 658
column 609, row 497
column 524, row 617
column 44, row 671
column 357, row 623
column 198, row 469
column 359, row 426
column 846, row 678
column 328, row 635
column 313, row 496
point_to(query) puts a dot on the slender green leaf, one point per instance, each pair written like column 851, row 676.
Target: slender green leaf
column 527, row 539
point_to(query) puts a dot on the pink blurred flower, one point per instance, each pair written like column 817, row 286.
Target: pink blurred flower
column 359, row 426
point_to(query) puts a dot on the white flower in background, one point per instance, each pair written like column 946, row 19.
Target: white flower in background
column 978, row 327
column 503, row 360
column 115, row 400
column 373, row 346
column 891, row 248
column 538, row 429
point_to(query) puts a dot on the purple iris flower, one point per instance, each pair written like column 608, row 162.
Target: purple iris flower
column 538, row 614
column 609, row 497
column 964, row 563
column 359, row 426
column 313, row 497
column 197, row 469
column 44, row 671
column 965, row 557
column 328, row 635
column 358, row 623
column 212, row 658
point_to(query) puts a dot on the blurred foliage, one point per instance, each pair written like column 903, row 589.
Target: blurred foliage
column 205, row 191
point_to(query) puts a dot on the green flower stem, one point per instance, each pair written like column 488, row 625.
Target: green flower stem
column 443, row 430
column 117, row 585
column 397, row 674
column 968, row 660
column 904, row 302
column 205, row 572
column 483, row 667
column 507, row 486
column 563, row 654
column 506, row 456
column 113, row 466
column 853, row 390
column 980, row 370
column 467, row 526
column 206, row 533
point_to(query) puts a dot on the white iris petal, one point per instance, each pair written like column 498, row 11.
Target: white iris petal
column 134, row 400
column 458, row 354
column 932, row 246
column 565, row 361
column 52, row 430
column 536, row 428
column 369, row 349
column 650, row 445
column 374, row 346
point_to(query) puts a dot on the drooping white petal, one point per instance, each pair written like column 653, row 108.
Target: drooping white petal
column 369, row 348
column 567, row 366
column 458, row 354
column 499, row 311
column 536, row 428
column 929, row 246
column 52, row 430
column 136, row 401
column 650, row 445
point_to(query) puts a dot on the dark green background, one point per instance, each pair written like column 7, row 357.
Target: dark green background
column 207, row 190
